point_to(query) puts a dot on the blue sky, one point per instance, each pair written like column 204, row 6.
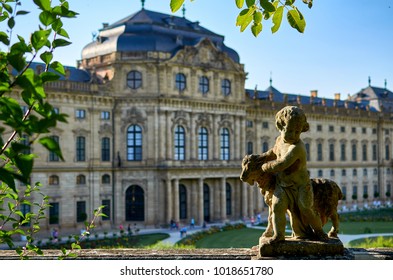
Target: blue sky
column 344, row 43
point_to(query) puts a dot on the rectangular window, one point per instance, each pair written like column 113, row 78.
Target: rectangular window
column 106, row 210
column 80, row 148
column 80, row 114
column 319, row 152
column 343, row 155
column 54, row 211
column 53, row 156
column 387, row 152
column 374, row 131
column 342, row 128
column 265, row 125
column 249, row 148
column 249, row 123
column 105, row 115
column 331, row 152
column 374, row 152
column 319, row 127
column 364, row 130
column 353, row 129
column 105, row 149
column 81, row 215
column 331, row 128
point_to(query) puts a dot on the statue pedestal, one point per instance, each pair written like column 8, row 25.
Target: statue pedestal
column 300, row 248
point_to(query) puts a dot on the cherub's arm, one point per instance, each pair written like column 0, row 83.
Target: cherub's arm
column 283, row 163
column 269, row 155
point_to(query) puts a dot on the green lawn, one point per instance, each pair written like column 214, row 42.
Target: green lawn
column 239, row 238
column 247, row 237
column 363, row 227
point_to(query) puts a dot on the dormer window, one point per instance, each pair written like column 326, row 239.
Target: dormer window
column 134, row 79
column 180, row 81
column 204, row 84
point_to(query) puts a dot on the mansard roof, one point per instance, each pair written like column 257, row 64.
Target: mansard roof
column 372, row 92
column 153, row 31
column 275, row 95
column 73, row 74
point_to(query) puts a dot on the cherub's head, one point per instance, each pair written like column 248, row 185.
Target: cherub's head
column 291, row 121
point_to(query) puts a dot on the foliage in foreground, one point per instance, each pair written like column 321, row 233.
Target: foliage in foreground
column 372, row 242
column 255, row 11
column 25, row 115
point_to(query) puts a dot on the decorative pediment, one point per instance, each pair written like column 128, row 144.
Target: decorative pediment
column 203, row 120
column 204, row 54
column 105, row 129
column 180, row 118
column 81, row 131
column 133, row 116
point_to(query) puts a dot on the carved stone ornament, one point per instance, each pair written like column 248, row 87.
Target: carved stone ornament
column 282, row 177
column 133, row 116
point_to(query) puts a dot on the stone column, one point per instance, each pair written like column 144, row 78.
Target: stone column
column 250, row 201
column 244, row 199
column 200, row 201
column 169, row 202
column 223, row 199
column 168, row 141
column 175, row 195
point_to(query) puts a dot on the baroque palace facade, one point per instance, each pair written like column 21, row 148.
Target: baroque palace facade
column 159, row 121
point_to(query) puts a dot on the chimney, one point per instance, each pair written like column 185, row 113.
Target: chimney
column 314, row 93
column 337, row 96
column 105, row 25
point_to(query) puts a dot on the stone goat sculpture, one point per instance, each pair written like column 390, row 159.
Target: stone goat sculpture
column 326, row 193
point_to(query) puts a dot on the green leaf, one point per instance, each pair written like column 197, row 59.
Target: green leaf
column 267, row 6
column 239, row 3
column 8, row 178
column 277, row 19
column 58, row 67
column 46, row 57
column 43, row 4
column 49, row 77
column 249, row 3
column 257, row 17
column 60, row 43
column 289, row 2
column 47, row 18
column 22, row 13
column 296, row 20
column 256, row 29
column 176, row 5
column 25, row 164
column 39, row 39
column 4, row 38
column 51, row 145
column 11, row 22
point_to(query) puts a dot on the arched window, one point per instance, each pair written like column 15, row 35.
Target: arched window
column 226, row 87
column 180, row 143
column 204, row 84
column 203, row 144
column 135, row 203
column 53, row 180
column 81, row 179
column 134, row 143
column 182, row 202
column 105, row 149
column 228, row 191
column 206, row 203
column 224, row 139
column 134, row 79
column 80, row 148
column 106, row 179
column 181, row 81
